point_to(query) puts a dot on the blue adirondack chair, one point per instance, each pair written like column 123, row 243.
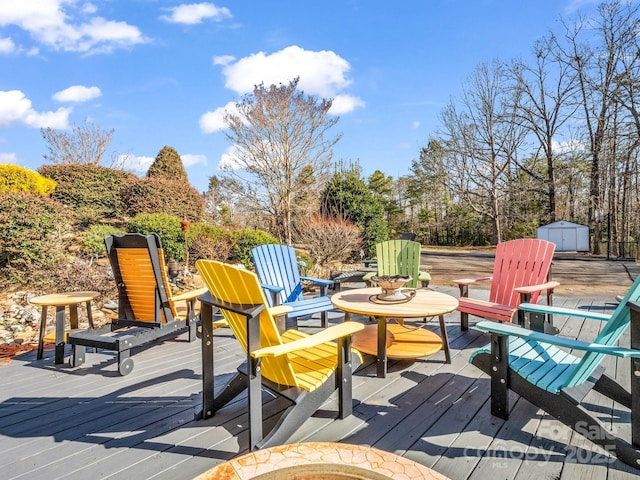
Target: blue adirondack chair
column 538, row 367
column 277, row 269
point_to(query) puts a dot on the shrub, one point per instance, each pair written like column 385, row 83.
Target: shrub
column 93, row 239
column 305, row 263
column 246, row 239
column 168, row 229
column 82, row 275
column 159, row 195
column 208, row 242
column 14, row 178
column 329, row 239
column 94, row 190
column 30, row 237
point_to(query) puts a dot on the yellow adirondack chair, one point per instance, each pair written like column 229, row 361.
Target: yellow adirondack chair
column 306, row 369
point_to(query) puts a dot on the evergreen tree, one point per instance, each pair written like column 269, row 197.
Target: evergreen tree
column 168, row 164
column 348, row 197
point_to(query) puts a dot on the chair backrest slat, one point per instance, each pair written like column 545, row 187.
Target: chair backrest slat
column 277, row 265
column 236, row 285
column 138, row 266
column 399, row 257
column 521, row 262
column 609, row 335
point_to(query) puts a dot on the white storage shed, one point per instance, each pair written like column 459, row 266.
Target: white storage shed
column 568, row 237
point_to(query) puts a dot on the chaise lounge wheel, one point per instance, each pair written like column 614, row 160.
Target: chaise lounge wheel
column 75, row 362
column 125, row 366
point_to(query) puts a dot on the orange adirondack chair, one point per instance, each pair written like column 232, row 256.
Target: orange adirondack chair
column 521, row 271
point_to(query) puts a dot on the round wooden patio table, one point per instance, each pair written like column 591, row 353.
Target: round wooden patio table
column 397, row 340
column 61, row 301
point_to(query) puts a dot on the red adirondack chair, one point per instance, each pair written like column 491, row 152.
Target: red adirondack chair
column 521, row 271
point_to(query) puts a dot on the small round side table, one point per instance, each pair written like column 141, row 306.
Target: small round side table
column 61, row 301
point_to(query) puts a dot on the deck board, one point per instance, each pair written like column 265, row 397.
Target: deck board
column 57, row 422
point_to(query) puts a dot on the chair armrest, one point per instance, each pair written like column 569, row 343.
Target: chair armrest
column 279, row 310
column 189, row 295
column 533, row 307
column 319, row 281
column 537, row 288
column 467, row 281
column 513, row 331
column 272, row 288
column 328, row 334
column 367, row 276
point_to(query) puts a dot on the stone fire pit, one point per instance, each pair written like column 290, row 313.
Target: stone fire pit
column 320, row 461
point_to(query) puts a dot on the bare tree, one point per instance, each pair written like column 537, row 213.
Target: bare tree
column 482, row 140
column 84, row 145
column 604, row 55
column 547, row 104
column 281, row 150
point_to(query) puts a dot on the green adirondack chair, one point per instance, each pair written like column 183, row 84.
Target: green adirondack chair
column 399, row 257
column 538, row 367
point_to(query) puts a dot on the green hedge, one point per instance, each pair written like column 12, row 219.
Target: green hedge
column 168, row 229
column 30, row 237
column 93, row 189
column 159, row 195
column 246, row 239
column 93, row 239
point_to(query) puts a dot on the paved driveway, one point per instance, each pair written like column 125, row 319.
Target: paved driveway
column 578, row 274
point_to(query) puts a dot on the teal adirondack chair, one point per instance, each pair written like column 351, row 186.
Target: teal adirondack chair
column 538, row 367
column 399, row 257
column 277, row 268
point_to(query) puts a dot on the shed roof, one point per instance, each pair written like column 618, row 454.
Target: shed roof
column 563, row 224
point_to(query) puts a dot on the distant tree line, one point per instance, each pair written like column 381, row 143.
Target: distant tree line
column 527, row 143
column 524, row 144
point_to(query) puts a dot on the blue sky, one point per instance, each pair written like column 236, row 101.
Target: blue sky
column 162, row 72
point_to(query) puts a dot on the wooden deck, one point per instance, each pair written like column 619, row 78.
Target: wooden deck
column 88, row 422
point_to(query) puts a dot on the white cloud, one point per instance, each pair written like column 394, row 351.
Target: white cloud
column 345, row 104
column 8, row 158
column 89, row 8
column 135, row 163
column 415, row 124
column 7, row 45
column 77, row 93
column 190, row 159
column 226, row 159
column 214, row 121
column 194, row 13
column 568, row 146
column 223, row 59
column 66, row 25
column 321, row 74
column 15, row 108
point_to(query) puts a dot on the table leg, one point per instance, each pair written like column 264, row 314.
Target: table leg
column 381, row 358
column 206, row 315
column 59, row 355
column 89, row 314
column 43, row 326
column 73, row 316
column 445, row 339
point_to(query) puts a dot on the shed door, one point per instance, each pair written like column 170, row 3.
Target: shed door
column 566, row 239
